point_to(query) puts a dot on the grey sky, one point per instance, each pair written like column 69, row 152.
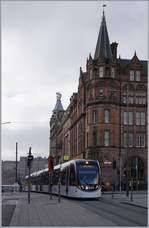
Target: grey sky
column 43, row 46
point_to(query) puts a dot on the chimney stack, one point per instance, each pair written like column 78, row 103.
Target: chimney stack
column 114, row 49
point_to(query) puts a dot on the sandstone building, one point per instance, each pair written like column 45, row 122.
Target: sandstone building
column 107, row 118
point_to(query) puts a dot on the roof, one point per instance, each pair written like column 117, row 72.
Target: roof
column 125, row 62
column 58, row 106
column 103, row 48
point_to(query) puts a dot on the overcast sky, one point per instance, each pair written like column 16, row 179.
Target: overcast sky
column 43, row 46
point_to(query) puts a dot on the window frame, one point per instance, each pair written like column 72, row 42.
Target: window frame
column 106, row 137
column 101, row 72
column 132, row 75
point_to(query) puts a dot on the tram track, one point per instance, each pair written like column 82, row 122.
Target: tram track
column 121, row 215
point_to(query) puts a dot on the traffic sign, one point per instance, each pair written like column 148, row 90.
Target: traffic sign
column 66, row 157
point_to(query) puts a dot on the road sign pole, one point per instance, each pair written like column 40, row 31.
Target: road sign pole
column 50, row 184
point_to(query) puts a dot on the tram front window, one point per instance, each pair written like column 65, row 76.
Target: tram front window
column 88, row 174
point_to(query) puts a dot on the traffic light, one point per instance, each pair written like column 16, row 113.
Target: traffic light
column 114, row 164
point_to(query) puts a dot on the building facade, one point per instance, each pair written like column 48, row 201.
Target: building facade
column 107, row 118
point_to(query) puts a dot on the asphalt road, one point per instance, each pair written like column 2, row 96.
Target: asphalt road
column 118, row 213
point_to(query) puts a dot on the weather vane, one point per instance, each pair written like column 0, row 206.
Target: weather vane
column 104, row 5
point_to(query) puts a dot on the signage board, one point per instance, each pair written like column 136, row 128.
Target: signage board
column 66, row 157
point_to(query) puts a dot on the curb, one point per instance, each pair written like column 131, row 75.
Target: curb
column 135, row 205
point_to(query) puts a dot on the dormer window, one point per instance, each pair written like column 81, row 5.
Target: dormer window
column 137, row 75
column 101, row 70
column 112, row 72
column 132, row 75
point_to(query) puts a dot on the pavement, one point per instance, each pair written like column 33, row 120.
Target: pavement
column 137, row 199
column 43, row 211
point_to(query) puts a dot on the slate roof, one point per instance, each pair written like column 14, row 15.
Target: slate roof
column 103, row 48
column 125, row 62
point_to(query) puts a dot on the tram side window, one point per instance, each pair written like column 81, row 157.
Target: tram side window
column 55, row 177
column 42, row 179
column 46, row 178
column 63, row 177
column 72, row 179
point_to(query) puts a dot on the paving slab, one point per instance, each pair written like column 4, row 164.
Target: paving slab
column 45, row 212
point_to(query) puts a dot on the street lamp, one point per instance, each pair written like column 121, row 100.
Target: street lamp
column 127, row 108
column 29, row 162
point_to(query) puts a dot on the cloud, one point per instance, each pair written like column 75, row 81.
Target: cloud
column 43, row 46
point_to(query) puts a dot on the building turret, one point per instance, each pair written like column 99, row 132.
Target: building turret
column 58, row 106
column 103, row 48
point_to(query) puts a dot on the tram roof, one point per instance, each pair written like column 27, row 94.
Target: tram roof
column 63, row 165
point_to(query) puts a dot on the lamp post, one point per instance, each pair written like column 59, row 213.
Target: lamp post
column 16, row 162
column 127, row 108
column 29, row 162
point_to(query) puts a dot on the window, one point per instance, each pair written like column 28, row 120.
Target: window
column 112, row 72
column 101, row 72
column 125, row 118
column 130, row 99
column 124, row 99
column 131, row 75
column 137, row 76
column 140, row 98
column 137, row 118
column 128, row 119
column 55, row 176
column 125, row 139
column 140, row 118
column 100, row 92
column 63, row 177
column 107, row 116
column 143, row 100
column 94, row 116
column 72, row 178
column 130, row 140
column 106, row 137
column 137, row 99
column 140, row 140
column 113, row 92
column 94, row 138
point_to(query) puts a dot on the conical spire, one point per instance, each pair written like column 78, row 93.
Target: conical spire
column 103, row 48
column 58, row 106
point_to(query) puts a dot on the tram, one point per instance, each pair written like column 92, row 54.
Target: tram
column 76, row 178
